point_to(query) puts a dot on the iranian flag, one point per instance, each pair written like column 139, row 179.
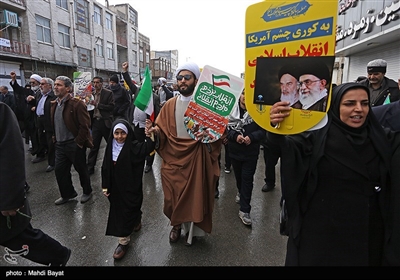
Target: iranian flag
column 221, row 80
column 144, row 100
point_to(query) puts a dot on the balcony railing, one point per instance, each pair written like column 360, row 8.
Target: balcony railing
column 17, row 48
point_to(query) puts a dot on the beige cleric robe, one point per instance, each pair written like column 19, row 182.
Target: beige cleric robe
column 189, row 172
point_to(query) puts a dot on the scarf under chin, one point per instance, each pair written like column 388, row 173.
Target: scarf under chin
column 116, row 149
column 356, row 136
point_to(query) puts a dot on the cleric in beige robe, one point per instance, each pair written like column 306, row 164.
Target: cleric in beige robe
column 189, row 169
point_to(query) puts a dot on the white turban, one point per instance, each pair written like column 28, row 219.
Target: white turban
column 36, row 77
column 121, row 126
column 190, row 66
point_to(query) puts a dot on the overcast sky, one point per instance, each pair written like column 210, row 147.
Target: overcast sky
column 208, row 32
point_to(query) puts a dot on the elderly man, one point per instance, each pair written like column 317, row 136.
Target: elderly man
column 43, row 122
column 289, row 86
column 71, row 124
column 314, row 79
column 382, row 89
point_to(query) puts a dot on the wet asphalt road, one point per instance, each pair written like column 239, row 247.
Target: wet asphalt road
column 81, row 227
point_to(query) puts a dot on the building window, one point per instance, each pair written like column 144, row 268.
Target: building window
column 147, row 57
column 134, row 56
column 43, row 30
column 108, row 21
column 141, row 55
column 110, row 50
column 132, row 17
column 62, row 4
column 84, row 56
column 97, row 14
column 134, row 36
column 99, row 47
column 63, row 36
column 82, row 15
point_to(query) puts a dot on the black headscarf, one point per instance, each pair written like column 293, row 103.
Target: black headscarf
column 371, row 130
column 357, row 135
column 371, row 127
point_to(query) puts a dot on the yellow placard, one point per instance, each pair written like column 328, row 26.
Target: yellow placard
column 296, row 35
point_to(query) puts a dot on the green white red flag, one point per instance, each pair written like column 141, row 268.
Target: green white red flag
column 221, row 80
column 144, row 100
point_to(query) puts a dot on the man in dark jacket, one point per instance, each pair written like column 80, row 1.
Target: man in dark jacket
column 121, row 98
column 71, row 124
column 7, row 97
column 43, row 122
column 16, row 232
column 27, row 123
column 102, row 119
column 381, row 88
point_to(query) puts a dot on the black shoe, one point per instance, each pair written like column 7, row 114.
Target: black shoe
column 38, row 159
column 26, row 187
column 147, row 169
column 62, row 200
column 267, row 188
column 49, row 168
column 85, row 197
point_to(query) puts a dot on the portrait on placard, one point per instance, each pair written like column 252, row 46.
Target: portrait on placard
column 303, row 81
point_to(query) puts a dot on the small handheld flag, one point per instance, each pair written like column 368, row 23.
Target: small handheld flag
column 144, row 100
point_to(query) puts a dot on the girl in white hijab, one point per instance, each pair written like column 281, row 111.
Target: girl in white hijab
column 121, row 174
column 118, row 140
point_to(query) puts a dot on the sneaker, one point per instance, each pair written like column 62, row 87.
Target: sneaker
column 245, row 217
column 237, row 198
column 227, row 170
column 86, row 197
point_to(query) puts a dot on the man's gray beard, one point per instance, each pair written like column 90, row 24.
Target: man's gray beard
column 289, row 98
column 35, row 88
column 307, row 100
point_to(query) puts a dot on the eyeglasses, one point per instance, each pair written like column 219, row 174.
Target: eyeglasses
column 33, row 83
column 308, row 83
column 42, row 84
column 187, row 77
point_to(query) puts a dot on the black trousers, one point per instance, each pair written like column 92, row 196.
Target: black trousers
column 35, row 245
column 244, row 174
column 99, row 131
column 68, row 154
column 272, row 154
column 141, row 136
column 45, row 142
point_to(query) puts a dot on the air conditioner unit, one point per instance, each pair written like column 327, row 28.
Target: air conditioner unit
column 8, row 18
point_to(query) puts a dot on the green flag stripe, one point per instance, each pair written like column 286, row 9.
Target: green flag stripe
column 222, row 77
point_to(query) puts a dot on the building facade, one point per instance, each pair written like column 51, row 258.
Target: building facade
column 367, row 30
column 60, row 37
